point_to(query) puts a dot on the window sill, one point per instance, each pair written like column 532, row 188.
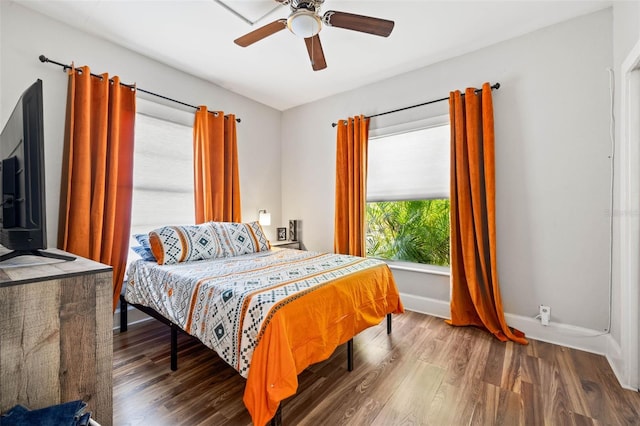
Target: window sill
column 418, row 267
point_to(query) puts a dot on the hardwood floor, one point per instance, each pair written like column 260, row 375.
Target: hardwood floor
column 424, row 373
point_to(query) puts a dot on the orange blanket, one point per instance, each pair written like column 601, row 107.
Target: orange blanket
column 308, row 330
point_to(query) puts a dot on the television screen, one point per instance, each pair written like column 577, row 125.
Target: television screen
column 22, row 216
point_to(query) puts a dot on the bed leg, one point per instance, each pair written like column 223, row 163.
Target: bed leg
column 174, row 348
column 350, row 355
column 123, row 314
column 277, row 418
column 388, row 323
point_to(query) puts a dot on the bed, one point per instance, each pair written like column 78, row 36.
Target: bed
column 268, row 314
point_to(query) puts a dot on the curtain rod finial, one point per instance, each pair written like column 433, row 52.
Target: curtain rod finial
column 43, row 58
column 497, row 85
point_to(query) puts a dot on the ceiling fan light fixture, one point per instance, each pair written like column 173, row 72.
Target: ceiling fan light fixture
column 304, row 23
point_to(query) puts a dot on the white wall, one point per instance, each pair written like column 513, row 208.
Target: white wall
column 552, row 166
column 25, row 35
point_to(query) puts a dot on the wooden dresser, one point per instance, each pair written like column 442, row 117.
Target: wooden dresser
column 56, row 334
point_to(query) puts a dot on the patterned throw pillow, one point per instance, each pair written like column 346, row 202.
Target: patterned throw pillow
column 240, row 238
column 144, row 249
column 175, row 244
column 144, row 253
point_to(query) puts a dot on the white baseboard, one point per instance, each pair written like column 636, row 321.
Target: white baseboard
column 580, row 338
column 584, row 339
column 133, row 316
column 617, row 363
column 425, row 305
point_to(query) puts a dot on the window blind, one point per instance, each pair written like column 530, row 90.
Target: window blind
column 409, row 166
column 162, row 175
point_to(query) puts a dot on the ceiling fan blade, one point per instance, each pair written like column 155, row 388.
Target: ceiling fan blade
column 365, row 24
column 261, row 33
column 314, row 47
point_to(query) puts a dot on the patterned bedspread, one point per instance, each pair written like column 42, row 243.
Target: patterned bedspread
column 229, row 303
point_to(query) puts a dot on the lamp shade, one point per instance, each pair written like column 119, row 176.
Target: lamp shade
column 264, row 218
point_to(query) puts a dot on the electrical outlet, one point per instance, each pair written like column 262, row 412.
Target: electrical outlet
column 545, row 314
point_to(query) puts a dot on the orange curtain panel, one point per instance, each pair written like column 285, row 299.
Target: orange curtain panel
column 97, row 175
column 475, row 294
column 351, row 186
column 216, row 176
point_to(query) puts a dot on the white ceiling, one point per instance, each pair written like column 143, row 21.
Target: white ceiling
column 197, row 37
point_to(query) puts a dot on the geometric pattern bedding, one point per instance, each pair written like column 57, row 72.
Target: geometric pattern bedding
column 225, row 302
column 302, row 304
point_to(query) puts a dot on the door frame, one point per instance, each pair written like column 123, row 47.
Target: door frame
column 629, row 219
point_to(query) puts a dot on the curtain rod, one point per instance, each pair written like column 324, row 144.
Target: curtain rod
column 495, row 86
column 65, row 67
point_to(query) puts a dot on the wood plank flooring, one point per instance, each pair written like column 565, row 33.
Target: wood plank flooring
column 424, row 373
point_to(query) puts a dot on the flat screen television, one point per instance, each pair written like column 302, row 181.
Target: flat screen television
column 23, row 215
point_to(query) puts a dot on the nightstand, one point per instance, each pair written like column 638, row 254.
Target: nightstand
column 286, row 244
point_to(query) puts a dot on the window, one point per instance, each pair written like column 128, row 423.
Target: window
column 162, row 169
column 408, row 194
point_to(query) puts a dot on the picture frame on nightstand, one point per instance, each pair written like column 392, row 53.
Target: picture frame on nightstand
column 294, row 230
column 282, row 234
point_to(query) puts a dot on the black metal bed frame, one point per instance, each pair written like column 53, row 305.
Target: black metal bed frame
column 277, row 418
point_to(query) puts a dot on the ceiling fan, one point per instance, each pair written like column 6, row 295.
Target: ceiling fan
column 305, row 21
